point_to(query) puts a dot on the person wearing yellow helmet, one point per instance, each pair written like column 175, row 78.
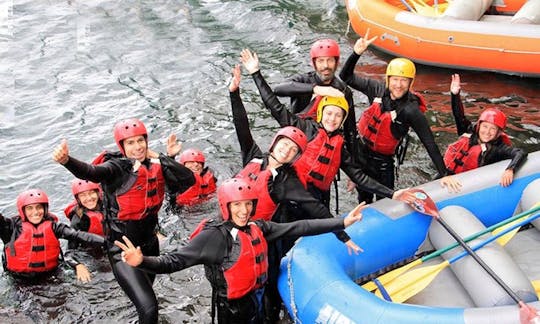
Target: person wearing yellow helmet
column 480, row 143
column 275, row 177
column 325, row 153
column 306, row 89
column 394, row 109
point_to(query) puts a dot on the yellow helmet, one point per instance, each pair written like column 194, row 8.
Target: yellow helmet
column 332, row 101
column 401, row 67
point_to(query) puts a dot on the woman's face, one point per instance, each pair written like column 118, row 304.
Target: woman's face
column 241, row 211
column 487, row 132
column 285, row 150
column 135, row 147
column 89, row 199
column 34, row 213
column 196, row 167
column 332, row 118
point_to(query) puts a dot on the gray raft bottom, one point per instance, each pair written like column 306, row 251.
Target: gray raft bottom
column 446, row 291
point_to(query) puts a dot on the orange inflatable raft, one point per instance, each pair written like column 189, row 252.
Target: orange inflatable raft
column 427, row 33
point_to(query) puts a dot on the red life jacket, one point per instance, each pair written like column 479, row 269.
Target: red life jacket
column 311, row 110
column 321, row 160
column 96, row 218
column 374, row 126
column 35, row 250
column 96, row 222
column 145, row 196
column 461, row 156
column 250, row 271
column 258, row 179
column 205, row 184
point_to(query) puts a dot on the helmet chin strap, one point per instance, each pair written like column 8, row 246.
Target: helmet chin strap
column 275, row 159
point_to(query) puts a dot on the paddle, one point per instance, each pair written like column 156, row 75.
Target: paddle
column 414, row 281
column 496, row 228
column 504, row 239
column 424, row 204
column 425, row 9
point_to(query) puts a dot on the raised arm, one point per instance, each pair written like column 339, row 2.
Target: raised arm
column 463, row 125
column 248, row 147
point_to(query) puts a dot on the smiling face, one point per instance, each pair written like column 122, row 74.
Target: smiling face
column 398, row 86
column 332, row 118
column 89, row 199
column 240, row 211
column 34, row 213
column 285, row 150
column 135, row 147
column 487, row 132
column 325, row 67
column 196, row 167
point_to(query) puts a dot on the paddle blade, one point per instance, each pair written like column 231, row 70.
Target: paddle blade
column 412, row 282
column 419, row 200
column 508, row 236
column 536, row 285
column 391, row 275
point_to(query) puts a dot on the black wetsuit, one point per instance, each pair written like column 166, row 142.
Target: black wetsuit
column 283, row 187
column 311, row 128
column 496, row 149
column 379, row 166
column 114, row 174
column 300, row 90
column 10, row 230
column 213, row 249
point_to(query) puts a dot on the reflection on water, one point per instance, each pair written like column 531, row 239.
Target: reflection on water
column 71, row 69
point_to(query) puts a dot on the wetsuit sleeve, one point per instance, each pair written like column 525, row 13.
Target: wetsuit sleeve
column 463, row 125
column 178, row 178
column 502, row 152
column 248, row 147
column 6, row 228
column 297, row 86
column 72, row 257
column 273, row 231
column 208, row 247
column 107, row 172
column 64, row 231
column 278, row 110
column 371, row 88
column 419, row 124
column 363, row 181
column 290, row 188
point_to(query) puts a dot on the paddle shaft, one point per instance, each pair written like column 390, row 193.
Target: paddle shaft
column 480, row 233
column 481, row 262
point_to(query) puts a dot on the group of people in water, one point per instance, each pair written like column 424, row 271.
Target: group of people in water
column 280, row 193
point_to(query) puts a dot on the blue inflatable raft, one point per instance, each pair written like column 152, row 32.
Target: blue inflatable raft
column 318, row 279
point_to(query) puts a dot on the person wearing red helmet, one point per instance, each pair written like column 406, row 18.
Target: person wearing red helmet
column 275, row 177
column 31, row 245
column 325, row 153
column 307, row 89
column 233, row 251
column 480, row 143
column 205, row 181
column 384, row 126
column 85, row 214
column 133, row 183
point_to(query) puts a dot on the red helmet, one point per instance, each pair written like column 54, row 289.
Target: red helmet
column 79, row 185
column 234, row 189
column 126, row 129
column 192, row 155
column 294, row 134
column 324, row 47
column 31, row 196
column 494, row 116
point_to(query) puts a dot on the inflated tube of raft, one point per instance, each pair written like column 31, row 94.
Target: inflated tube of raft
column 466, row 9
column 484, row 291
column 528, row 14
column 530, row 198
